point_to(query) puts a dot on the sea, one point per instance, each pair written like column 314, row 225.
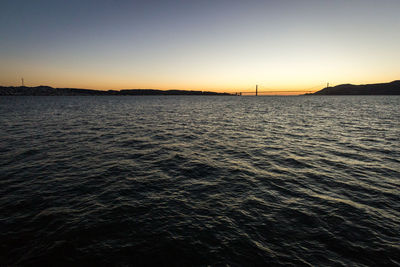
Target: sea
column 200, row 181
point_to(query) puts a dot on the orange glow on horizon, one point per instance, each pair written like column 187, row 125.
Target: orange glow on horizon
column 245, row 90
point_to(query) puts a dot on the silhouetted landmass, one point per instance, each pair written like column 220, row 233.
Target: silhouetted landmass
column 392, row 88
column 50, row 91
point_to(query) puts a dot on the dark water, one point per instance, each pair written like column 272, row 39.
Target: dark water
column 185, row 181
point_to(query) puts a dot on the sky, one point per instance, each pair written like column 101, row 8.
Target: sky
column 216, row 45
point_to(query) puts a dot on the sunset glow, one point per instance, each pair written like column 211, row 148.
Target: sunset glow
column 220, row 46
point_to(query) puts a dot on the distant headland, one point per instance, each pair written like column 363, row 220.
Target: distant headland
column 392, row 88
column 50, row 91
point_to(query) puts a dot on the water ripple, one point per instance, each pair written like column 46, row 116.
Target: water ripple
column 197, row 181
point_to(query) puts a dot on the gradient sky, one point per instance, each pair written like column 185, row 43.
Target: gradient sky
column 217, row 45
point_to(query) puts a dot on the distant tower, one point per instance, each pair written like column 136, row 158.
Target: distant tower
column 327, row 85
column 256, row 90
column 22, row 80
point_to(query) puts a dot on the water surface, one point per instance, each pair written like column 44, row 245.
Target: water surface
column 199, row 180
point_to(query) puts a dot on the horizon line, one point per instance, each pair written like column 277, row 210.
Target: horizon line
column 230, row 91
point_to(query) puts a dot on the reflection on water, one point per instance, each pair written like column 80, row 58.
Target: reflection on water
column 192, row 180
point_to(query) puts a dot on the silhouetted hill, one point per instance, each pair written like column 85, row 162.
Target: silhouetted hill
column 50, row 91
column 392, row 88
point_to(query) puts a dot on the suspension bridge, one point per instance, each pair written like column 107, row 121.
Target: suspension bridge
column 263, row 90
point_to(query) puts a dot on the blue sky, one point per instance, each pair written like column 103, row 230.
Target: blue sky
column 212, row 45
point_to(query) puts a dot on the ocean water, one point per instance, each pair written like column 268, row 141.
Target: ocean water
column 200, row 180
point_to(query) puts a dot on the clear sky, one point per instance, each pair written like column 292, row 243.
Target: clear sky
column 219, row 45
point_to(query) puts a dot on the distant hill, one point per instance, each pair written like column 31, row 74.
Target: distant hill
column 392, row 88
column 50, row 91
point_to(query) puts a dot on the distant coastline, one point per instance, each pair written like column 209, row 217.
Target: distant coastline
column 50, row 91
column 391, row 88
